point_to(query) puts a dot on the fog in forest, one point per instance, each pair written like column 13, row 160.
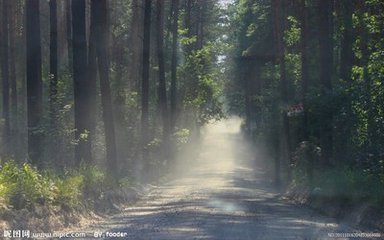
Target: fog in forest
column 219, row 133
column 176, row 119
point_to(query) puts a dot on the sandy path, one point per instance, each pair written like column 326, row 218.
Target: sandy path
column 222, row 198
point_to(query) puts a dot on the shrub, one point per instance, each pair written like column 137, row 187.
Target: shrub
column 94, row 180
column 69, row 191
column 24, row 185
column 345, row 183
column 182, row 137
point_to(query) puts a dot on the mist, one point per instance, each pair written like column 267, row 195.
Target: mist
column 190, row 119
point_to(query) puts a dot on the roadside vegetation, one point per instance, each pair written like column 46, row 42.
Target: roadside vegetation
column 102, row 97
column 24, row 186
column 307, row 76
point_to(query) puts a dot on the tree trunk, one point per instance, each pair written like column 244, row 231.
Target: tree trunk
column 136, row 43
column 162, row 82
column 14, row 122
column 326, row 66
column 92, row 64
column 53, row 64
column 22, row 152
column 12, row 73
column 364, row 35
column 304, row 84
column 200, row 24
column 34, row 82
column 346, row 58
column 5, row 76
column 145, row 84
column 285, row 134
column 68, row 7
column 244, row 66
column 81, row 86
column 173, row 96
column 304, row 68
column 106, row 99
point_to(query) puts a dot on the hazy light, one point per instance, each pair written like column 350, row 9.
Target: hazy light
column 225, row 3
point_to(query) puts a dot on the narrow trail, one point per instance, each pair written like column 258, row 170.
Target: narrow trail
column 221, row 198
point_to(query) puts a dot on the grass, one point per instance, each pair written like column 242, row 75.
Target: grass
column 353, row 185
column 24, row 186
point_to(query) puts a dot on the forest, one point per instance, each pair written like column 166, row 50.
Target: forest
column 107, row 94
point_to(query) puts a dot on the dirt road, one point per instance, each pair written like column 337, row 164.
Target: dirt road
column 221, row 198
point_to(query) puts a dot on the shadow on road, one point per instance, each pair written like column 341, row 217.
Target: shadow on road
column 223, row 197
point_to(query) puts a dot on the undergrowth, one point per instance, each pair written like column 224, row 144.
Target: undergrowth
column 348, row 183
column 24, row 186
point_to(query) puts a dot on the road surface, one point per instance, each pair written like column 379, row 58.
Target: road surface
column 221, row 198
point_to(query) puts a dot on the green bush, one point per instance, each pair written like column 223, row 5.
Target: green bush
column 94, row 180
column 182, row 137
column 354, row 185
column 69, row 191
column 23, row 185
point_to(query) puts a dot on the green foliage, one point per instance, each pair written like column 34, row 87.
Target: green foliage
column 95, row 180
column 125, row 182
column 202, row 89
column 69, row 191
column 352, row 108
column 182, row 137
column 293, row 33
column 24, row 186
column 305, row 158
column 351, row 185
column 187, row 40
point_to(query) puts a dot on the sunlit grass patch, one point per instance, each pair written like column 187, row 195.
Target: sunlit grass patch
column 24, row 186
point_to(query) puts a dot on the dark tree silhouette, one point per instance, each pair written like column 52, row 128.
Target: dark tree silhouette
column 145, row 81
column 12, row 70
column 5, row 72
column 53, row 61
column 162, row 91
column 304, row 66
column 103, row 63
column 136, row 42
column 81, row 86
column 34, row 81
column 326, row 64
column 173, row 96
column 346, row 58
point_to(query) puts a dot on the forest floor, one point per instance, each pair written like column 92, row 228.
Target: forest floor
column 223, row 196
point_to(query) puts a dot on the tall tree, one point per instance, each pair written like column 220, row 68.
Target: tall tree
column 173, row 96
column 53, row 60
column 161, row 61
column 303, row 9
column 145, row 81
column 68, row 21
column 136, row 42
column 12, row 66
column 81, row 86
column 92, row 63
column 14, row 122
column 365, row 54
column 5, row 72
column 34, row 81
column 346, row 58
column 102, row 47
column 326, row 66
column 304, row 66
column 280, row 17
column 200, row 23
